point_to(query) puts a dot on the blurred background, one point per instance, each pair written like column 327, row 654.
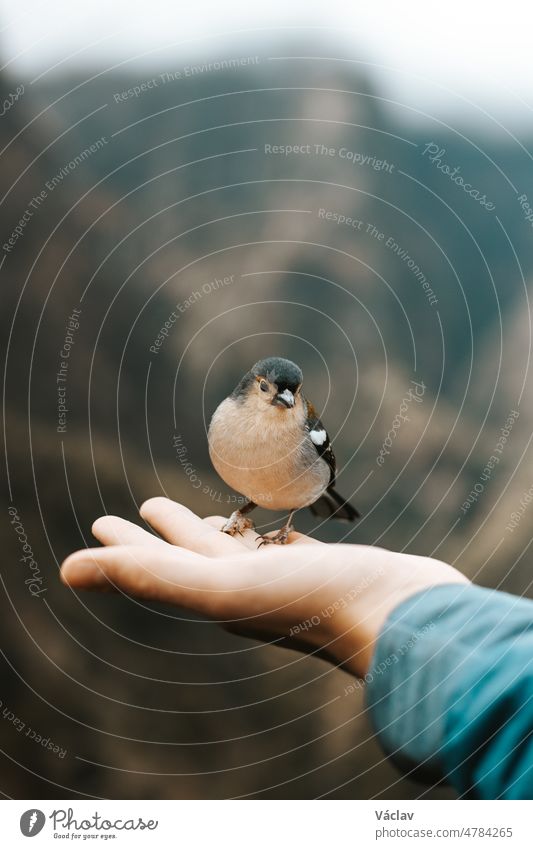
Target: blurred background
column 184, row 191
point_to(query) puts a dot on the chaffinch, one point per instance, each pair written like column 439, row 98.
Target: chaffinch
column 267, row 442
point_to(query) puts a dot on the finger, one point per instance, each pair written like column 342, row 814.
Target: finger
column 175, row 576
column 246, row 540
column 112, row 530
column 182, row 527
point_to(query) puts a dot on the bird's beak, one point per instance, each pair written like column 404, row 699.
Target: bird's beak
column 284, row 399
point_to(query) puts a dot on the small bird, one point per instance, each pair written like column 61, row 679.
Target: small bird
column 267, row 442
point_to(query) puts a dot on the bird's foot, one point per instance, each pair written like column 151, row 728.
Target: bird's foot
column 281, row 538
column 237, row 524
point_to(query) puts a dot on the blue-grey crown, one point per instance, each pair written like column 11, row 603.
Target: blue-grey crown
column 286, row 374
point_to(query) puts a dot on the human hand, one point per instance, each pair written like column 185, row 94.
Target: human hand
column 328, row 599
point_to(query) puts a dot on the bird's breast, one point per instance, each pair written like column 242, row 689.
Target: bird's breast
column 269, row 458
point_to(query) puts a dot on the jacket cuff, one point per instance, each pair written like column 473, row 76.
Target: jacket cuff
column 411, row 676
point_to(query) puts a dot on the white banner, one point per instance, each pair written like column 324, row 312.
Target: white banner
column 266, row 824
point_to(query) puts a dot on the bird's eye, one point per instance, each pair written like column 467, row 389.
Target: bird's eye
column 263, row 386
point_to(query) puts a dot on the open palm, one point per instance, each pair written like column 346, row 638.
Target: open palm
column 327, row 598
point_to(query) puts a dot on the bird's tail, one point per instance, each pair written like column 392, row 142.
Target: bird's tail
column 332, row 506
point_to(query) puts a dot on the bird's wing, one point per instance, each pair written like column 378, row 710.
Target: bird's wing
column 320, row 439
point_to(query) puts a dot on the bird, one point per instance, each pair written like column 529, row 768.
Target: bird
column 267, row 442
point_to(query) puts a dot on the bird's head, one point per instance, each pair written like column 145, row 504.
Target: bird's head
column 271, row 382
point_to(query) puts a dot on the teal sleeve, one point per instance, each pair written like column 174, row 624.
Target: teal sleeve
column 450, row 690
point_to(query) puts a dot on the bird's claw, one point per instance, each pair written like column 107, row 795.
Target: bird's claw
column 281, row 538
column 237, row 524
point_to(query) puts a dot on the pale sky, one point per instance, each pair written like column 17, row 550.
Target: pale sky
column 436, row 55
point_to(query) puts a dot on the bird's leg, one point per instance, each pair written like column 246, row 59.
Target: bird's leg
column 282, row 535
column 238, row 521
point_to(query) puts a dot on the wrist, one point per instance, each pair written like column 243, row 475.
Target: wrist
column 351, row 635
